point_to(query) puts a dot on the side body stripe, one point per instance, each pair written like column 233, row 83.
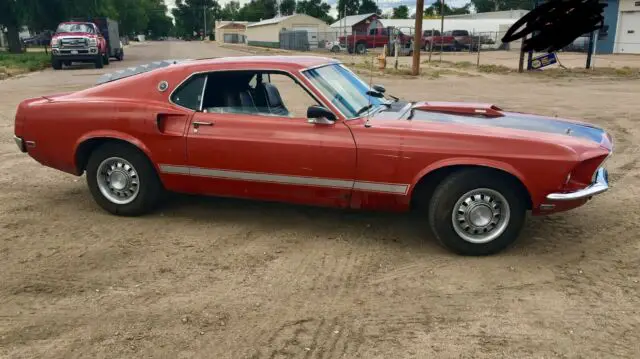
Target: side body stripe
column 393, row 188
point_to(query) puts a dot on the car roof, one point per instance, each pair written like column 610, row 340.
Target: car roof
column 289, row 61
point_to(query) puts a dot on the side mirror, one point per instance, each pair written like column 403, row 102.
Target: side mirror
column 379, row 88
column 320, row 115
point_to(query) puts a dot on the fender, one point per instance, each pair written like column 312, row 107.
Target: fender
column 116, row 135
column 469, row 161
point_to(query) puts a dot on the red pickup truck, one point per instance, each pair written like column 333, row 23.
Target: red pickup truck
column 434, row 39
column 375, row 38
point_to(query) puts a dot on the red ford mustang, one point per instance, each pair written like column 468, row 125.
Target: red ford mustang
column 222, row 127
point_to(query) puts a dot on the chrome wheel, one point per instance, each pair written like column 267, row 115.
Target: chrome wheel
column 481, row 215
column 118, row 180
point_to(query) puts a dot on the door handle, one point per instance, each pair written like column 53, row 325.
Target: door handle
column 197, row 124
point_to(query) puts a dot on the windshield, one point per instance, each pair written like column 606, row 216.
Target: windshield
column 75, row 28
column 343, row 88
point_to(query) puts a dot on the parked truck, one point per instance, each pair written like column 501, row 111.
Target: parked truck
column 434, row 40
column 81, row 40
column 377, row 37
column 110, row 31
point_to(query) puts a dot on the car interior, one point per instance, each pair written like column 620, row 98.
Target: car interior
column 243, row 92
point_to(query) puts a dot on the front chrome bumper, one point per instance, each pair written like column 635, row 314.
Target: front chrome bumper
column 21, row 144
column 601, row 184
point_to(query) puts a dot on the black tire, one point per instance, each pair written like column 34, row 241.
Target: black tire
column 361, row 48
column 150, row 188
column 120, row 56
column 56, row 64
column 457, row 185
column 106, row 59
column 99, row 61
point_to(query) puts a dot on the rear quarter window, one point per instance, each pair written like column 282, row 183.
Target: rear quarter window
column 189, row 93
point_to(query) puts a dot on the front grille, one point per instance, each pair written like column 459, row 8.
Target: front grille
column 73, row 43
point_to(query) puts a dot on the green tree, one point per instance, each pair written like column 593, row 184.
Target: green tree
column 160, row 24
column 315, row 8
column 400, row 12
column 287, row 7
column 434, row 9
column 190, row 16
column 368, row 7
column 350, row 6
column 255, row 10
column 230, row 11
column 12, row 16
column 499, row 5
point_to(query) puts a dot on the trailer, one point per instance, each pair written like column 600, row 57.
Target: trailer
column 110, row 31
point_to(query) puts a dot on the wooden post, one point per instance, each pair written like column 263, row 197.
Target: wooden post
column 417, row 38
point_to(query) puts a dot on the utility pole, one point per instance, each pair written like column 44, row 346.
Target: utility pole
column 441, row 28
column 417, row 38
column 204, row 13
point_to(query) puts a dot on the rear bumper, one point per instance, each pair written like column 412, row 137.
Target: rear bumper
column 599, row 185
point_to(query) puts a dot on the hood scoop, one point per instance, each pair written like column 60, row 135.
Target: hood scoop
column 459, row 108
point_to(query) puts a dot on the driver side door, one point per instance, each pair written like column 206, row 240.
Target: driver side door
column 243, row 144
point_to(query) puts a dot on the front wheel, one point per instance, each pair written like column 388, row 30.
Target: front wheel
column 106, row 58
column 477, row 212
column 122, row 180
column 99, row 61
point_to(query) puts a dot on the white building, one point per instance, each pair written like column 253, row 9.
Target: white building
column 627, row 33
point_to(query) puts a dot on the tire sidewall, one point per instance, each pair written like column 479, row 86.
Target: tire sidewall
column 149, row 183
column 445, row 198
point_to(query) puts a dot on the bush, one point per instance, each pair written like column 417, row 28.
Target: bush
column 28, row 61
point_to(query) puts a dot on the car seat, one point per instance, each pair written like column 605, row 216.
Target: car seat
column 274, row 101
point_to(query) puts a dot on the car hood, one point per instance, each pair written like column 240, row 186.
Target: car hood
column 491, row 117
column 73, row 34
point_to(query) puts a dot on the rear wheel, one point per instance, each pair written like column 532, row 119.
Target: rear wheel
column 361, row 48
column 122, row 180
column 477, row 212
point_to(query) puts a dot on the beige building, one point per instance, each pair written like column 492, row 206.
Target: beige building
column 267, row 32
column 231, row 31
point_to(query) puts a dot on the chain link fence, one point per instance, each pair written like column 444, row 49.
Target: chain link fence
column 469, row 47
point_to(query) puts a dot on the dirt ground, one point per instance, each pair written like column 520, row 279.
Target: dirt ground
column 222, row 278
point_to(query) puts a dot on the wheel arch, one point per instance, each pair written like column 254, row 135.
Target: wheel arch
column 425, row 182
column 88, row 143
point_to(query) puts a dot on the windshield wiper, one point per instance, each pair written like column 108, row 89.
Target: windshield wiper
column 364, row 109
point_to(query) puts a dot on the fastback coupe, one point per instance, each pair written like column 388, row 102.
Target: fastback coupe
column 220, row 127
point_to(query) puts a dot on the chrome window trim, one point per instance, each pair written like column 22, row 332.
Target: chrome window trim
column 204, row 87
column 322, row 101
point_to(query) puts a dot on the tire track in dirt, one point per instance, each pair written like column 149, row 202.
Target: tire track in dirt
column 312, row 338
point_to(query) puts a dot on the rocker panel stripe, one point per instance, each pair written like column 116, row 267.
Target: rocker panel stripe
column 401, row 189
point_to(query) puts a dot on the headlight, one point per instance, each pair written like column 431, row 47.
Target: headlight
column 93, row 42
column 55, row 42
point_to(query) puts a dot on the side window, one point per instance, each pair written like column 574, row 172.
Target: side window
column 189, row 94
column 267, row 94
column 373, row 31
column 293, row 97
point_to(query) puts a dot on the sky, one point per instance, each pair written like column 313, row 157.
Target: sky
column 384, row 5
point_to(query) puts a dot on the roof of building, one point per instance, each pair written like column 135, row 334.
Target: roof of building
column 503, row 14
column 222, row 24
column 275, row 20
column 351, row 20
